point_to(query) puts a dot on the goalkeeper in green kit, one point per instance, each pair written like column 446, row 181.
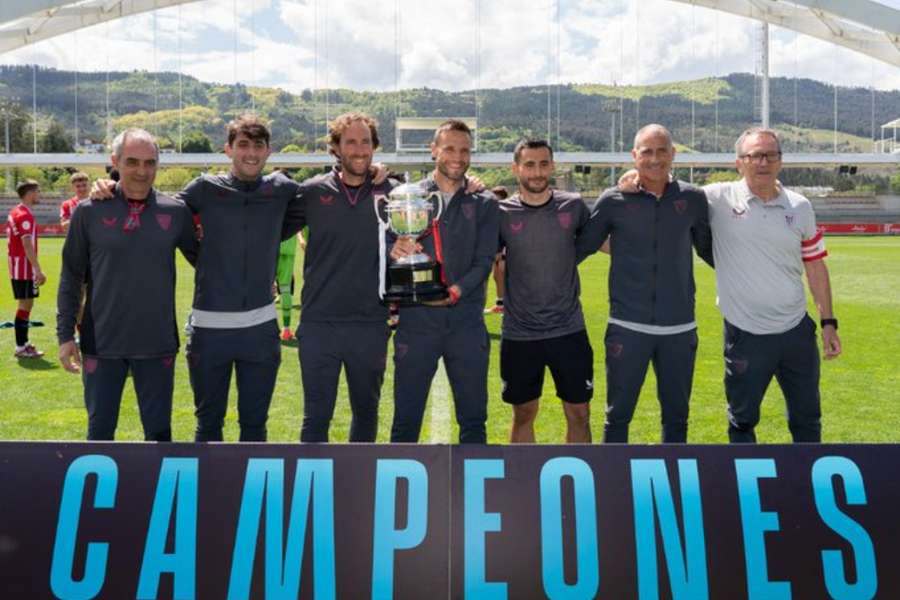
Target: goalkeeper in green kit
column 284, row 278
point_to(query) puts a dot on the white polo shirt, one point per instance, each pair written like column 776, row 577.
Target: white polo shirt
column 759, row 249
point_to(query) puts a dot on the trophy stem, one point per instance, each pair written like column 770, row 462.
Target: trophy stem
column 413, row 259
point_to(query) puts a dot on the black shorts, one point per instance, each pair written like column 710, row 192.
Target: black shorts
column 569, row 357
column 23, row 289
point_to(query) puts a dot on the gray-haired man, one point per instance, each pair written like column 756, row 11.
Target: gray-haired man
column 128, row 246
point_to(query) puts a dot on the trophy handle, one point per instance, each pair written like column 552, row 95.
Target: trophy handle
column 439, row 204
column 377, row 200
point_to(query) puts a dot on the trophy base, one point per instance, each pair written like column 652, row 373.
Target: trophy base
column 414, row 284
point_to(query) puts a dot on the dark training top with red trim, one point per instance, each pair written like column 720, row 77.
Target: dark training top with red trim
column 127, row 258
column 340, row 266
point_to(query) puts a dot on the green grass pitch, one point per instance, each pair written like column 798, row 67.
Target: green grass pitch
column 860, row 390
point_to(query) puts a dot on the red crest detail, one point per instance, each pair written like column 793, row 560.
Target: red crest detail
column 90, row 365
column 165, row 221
column 565, row 219
column 468, row 211
column 680, row 206
column 267, row 189
column 168, row 361
column 111, row 222
column 326, row 200
column 614, row 349
column 517, row 227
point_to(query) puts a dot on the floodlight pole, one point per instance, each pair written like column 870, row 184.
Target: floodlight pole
column 8, row 178
column 764, row 63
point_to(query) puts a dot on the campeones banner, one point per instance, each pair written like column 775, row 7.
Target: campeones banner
column 269, row 521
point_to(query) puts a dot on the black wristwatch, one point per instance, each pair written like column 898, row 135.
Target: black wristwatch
column 832, row 322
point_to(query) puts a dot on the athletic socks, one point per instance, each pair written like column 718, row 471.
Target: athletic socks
column 21, row 326
column 286, row 305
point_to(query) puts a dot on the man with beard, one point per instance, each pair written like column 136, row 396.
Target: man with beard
column 343, row 323
column 543, row 326
column 452, row 329
column 651, row 285
column 127, row 244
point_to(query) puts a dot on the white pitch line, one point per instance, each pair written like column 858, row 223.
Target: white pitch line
column 440, row 399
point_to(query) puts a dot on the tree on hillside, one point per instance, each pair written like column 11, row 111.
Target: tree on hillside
column 196, row 142
column 895, row 183
column 55, row 139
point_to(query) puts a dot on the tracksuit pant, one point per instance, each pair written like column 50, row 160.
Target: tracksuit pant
column 254, row 354
column 323, row 348
column 104, row 380
column 628, row 354
column 752, row 360
column 466, row 351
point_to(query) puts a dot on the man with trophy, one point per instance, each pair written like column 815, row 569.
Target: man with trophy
column 459, row 248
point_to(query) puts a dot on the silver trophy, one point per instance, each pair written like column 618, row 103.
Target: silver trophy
column 412, row 211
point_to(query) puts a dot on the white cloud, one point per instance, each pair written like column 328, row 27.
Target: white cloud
column 354, row 40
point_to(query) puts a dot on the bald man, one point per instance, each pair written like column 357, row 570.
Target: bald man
column 651, row 285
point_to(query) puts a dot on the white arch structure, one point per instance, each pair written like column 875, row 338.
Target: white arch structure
column 865, row 26
column 25, row 22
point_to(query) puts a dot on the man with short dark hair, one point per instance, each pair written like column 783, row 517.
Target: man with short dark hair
column 452, row 329
column 127, row 244
column 543, row 325
column 233, row 322
column 24, row 268
column 81, row 185
column 343, row 323
column 651, row 285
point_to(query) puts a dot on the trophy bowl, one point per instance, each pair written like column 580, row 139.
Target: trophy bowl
column 412, row 211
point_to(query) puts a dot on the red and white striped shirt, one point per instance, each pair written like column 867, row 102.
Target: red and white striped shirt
column 66, row 208
column 20, row 224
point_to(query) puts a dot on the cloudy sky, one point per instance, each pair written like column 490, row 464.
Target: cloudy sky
column 297, row 44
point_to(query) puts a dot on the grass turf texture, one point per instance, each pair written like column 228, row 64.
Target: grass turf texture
column 860, row 390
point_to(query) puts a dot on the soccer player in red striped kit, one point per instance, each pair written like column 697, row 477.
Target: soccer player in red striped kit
column 24, row 268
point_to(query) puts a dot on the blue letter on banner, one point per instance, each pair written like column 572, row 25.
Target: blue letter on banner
column 832, row 562
column 755, row 522
column 177, row 482
column 587, row 555
column 265, row 478
column 687, row 571
column 476, row 523
column 386, row 538
column 61, row 581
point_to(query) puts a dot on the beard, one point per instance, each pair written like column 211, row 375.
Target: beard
column 535, row 185
column 347, row 165
column 451, row 175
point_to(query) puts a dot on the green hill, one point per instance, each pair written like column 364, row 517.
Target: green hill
column 803, row 108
